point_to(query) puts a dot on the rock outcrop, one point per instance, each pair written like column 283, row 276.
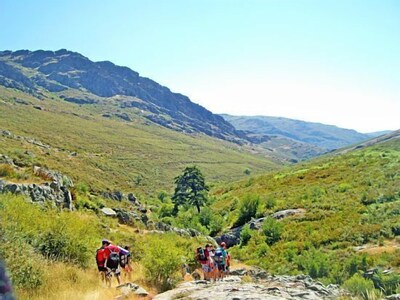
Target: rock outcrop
column 57, row 191
column 264, row 286
column 232, row 237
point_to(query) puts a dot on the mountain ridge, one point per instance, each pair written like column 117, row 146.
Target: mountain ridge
column 326, row 137
column 65, row 72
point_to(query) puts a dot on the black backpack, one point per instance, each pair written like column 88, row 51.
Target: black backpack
column 113, row 260
column 200, row 254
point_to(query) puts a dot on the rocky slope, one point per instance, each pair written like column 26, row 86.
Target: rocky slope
column 258, row 285
column 77, row 79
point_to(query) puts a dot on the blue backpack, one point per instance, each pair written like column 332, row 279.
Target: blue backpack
column 218, row 256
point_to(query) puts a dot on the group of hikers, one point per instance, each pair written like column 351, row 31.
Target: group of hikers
column 215, row 263
column 111, row 259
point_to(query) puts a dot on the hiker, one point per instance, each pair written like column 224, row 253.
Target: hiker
column 228, row 260
column 125, row 262
column 203, row 257
column 220, row 261
column 111, row 253
column 212, row 264
column 101, row 261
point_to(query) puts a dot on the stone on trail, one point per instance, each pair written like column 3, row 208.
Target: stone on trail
column 131, row 288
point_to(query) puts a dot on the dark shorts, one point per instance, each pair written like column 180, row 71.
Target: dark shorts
column 221, row 267
column 102, row 269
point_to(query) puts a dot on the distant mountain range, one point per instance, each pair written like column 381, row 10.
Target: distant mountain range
column 120, row 93
column 298, row 139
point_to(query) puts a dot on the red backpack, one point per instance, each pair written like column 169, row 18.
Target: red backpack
column 100, row 257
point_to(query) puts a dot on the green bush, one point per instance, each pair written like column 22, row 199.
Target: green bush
column 389, row 283
column 58, row 235
column 270, row 202
column 247, row 209
column 205, row 216
column 216, row 224
column 25, row 267
column 315, row 263
column 84, row 203
column 245, row 235
column 82, row 188
column 359, row 286
column 272, row 230
column 162, row 262
column 166, row 210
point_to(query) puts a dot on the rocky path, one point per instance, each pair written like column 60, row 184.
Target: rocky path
column 261, row 286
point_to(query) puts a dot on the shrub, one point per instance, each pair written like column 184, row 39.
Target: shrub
column 82, row 188
column 247, row 209
column 166, row 210
column 387, row 283
column 84, row 203
column 272, row 229
column 359, row 286
column 216, row 224
column 245, row 235
column 161, row 261
column 205, row 217
column 6, row 171
column 270, row 202
column 64, row 236
column 25, row 267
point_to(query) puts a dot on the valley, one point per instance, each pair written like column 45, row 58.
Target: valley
column 90, row 150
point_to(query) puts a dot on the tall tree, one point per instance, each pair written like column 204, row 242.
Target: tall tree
column 190, row 189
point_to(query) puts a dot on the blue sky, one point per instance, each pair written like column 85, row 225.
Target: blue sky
column 335, row 62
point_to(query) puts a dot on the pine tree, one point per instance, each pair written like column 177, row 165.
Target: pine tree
column 190, row 189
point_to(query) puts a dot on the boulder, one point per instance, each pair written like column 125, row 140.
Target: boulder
column 109, row 212
column 4, row 159
column 132, row 198
column 129, row 288
column 115, row 195
column 287, row 213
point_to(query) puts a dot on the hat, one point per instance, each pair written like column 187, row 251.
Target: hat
column 223, row 244
column 104, row 241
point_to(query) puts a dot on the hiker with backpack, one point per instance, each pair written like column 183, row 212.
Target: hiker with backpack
column 228, row 260
column 101, row 262
column 220, row 257
column 125, row 261
column 203, row 257
column 112, row 261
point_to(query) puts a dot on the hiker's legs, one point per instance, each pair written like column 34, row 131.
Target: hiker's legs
column 128, row 272
column 118, row 275
column 205, row 268
column 108, row 278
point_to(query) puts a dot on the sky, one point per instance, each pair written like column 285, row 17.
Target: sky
column 330, row 61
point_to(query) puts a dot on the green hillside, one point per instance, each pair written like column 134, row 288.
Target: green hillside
column 350, row 200
column 110, row 153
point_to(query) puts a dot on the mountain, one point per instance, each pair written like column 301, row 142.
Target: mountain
column 77, row 79
column 324, row 137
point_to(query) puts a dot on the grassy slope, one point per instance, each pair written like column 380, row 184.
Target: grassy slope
column 55, row 254
column 351, row 199
column 112, row 153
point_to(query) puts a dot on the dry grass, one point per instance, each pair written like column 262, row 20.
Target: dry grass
column 67, row 282
column 388, row 247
